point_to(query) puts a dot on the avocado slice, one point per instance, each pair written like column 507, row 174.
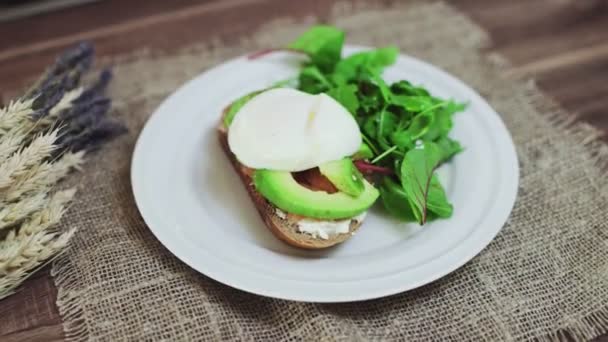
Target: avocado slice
column 235, row 106
column 282, row 190
column 344, row 176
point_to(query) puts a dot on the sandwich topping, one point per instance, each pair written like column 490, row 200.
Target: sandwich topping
column 286, row 129
column 309, row 146
column 325, row 229
column 299, row 146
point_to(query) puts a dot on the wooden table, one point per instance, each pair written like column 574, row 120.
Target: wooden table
column 562, row 43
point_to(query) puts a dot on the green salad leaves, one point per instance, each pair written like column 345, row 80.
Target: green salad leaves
column 404, row 127
column 323, row 44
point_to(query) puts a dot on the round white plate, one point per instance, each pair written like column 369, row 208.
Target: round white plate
column 195, row 204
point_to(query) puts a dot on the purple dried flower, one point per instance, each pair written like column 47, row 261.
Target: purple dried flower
column 96, row 88
column 82, row 108
column 67, row 70
column 90, row 137
column 48, row 99
column 85, row 125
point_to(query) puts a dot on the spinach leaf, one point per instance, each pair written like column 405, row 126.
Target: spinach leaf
column 369, row 127
column 313, row 81
column 395, row 200
column 346, row 94
column 323, row 44
column 404, row 87
column 382, row 58
column 402, row 139
column 442, row 123
column 387, row 122
column 437, row 201
column 370, row 102
column 383, row 88
column 349, row 68
column 416, row 172
column 420, row 125
column 412, row 103
column 448, row 147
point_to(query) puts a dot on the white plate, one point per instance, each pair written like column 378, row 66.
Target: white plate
column 193, row 201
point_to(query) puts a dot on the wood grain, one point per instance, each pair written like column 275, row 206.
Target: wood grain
column 31, row 313
column 562, row 43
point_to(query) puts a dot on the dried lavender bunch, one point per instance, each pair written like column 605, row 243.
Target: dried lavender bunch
column 86, row 124
column 43, row 136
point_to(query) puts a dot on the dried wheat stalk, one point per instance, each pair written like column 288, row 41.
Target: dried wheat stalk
column 27, row 177
column 43, row 136
column 19, row 162
column 16, row 114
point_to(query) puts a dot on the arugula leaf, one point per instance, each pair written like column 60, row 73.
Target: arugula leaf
column 416, row 173
column 420, row 125
column 387, row 122
column 412, row 103
column 453, row 107
column 437, row 201
column 369, row 103
column 448, row 147
column 369, row 143
column 346, row 94
column 383, row 88
column 369, row 127
column 381, row 58
column 312, row 80
column 406, row 88
column 405, row 117
column 442, row 123
column 323, row 44
column 387, row 154
column 395, row 200
column 349, row 68
column 237, row 105
column 402, row 139
column 373, row 93
column 404, row 127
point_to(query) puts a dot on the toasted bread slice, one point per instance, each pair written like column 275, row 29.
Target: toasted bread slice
column 285, row 227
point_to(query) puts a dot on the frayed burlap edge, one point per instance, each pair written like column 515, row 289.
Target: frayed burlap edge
column 589, row 327
column 72, row 314
column 594, row 324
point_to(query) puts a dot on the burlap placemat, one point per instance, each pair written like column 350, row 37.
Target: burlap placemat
column 545, row 274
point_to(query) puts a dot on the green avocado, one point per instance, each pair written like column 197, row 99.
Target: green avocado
column 344, row 176
column 235, row 106
column 282, row 190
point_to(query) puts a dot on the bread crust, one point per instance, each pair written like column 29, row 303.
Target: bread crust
column 284, row 227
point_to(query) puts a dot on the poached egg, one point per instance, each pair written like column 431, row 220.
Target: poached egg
column 288, row 130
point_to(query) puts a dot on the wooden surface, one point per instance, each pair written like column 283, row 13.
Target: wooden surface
column 562, row 43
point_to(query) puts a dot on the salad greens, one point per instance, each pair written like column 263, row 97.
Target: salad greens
column 325, row 52
column 404, row 127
